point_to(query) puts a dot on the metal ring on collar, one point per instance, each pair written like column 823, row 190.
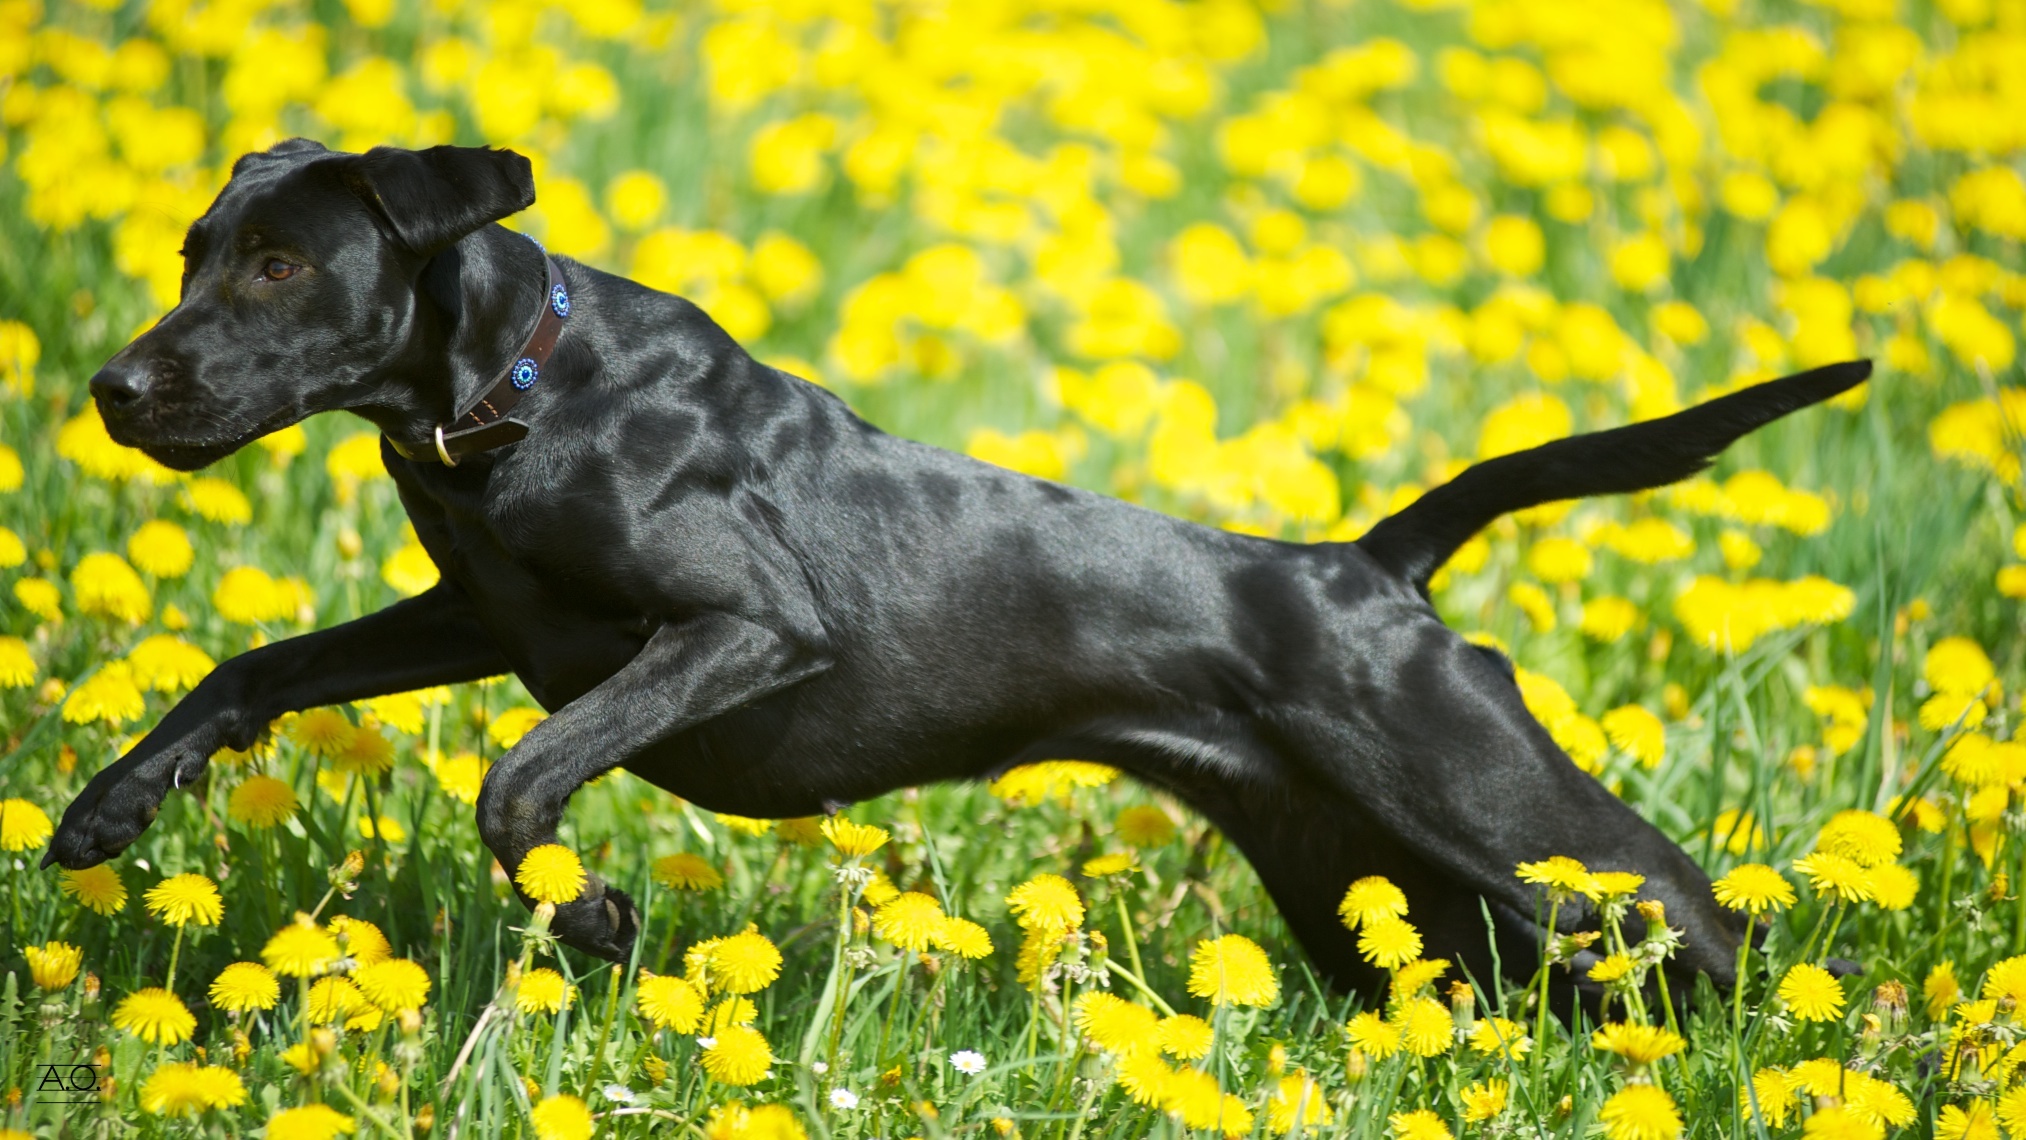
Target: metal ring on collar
column 443, row 452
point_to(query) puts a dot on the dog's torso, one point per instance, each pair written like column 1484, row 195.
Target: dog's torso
column 975, row 617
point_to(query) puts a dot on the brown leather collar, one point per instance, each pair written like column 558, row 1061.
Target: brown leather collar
column 486, row 425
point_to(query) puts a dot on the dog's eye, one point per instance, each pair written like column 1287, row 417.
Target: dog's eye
column 279, row 270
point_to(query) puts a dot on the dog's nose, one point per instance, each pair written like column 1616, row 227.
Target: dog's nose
column 120, row 385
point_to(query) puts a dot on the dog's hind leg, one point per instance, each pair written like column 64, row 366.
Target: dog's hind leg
column 1433, row 741
column 1308, row 845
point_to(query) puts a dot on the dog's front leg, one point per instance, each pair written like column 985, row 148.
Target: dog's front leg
column 687, row 673
column 433, row 638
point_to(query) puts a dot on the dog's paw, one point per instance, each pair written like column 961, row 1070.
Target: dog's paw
column 119, row 803
column 603, row 923
column 97, row 827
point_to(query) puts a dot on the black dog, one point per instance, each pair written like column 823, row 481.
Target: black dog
column 715, row 575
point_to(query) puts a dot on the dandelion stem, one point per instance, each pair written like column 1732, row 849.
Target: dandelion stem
column 840, row 970
column 1126, row 928
column 175, row 950
column 1547, row 964
column 605, row 1030
column 1140, row 984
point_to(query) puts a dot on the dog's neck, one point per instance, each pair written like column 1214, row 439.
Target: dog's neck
column 475, row 303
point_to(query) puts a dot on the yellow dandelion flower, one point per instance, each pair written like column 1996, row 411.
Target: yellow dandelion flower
column 243, row 986
column 1837, row 1123
column 17, row 664
column 551, row 873
column 310, row 1122
column 1498, row 1035
column 23, row 825
column 363, row 942
column 161, row 548
column 168, row 664
column 1184, row 1036
column 1941, row 989
column 739, row 1056
column 1420, row 1124
column 1046, row 902
column 1637, row 733
column 154, row 1015
column 685, row 872
column 1411, row 978
column 910, row 921
column 182, row 899
column 1484, row 1100
column 1144, row 826
column 1773, row 1093
column 542, row 990
column 1373, row 1035
column 1614, row 967
column 322, row 732
column 367, row 753
column 97, row 889
column 1894, row 887
column 109, row 696
column 1812, row 992
column 1372, row 898
column 1556, row 559
column 337, row 999
column 53, row 965
column 1974, row 1121
column 180, row 1088
column 105, row 586
column 1617, row 884
column 964, row 938
column 1957, row 665
column 1426, row 1027
column 300, row 950
column 1145, row 1077
column 1232, row 970
column 1564, row 877
column 1640, row 1112
column 461, row 776
column 218, row 501
column 1389, row 943
column 262, row 801
column 40, row 597
column 508, row 727
column 879, row 890
column 1638, row 1044
column 394, row 985
column 853, row 840
column 1298, row 1104
column 1835, row 877
column 1114, row 1024
column 1754, row 887
column 562, row 1117
column 1114, row 863
column 669, row 1002
column 1863, row 837
column 744, row 963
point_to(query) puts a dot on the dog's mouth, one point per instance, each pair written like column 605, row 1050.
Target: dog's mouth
column 187, row 454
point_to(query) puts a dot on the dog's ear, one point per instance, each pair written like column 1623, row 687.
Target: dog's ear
column 431, row 198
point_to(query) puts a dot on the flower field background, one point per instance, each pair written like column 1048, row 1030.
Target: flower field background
column 1274, row 268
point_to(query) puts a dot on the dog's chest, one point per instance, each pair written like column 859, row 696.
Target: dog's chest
column 537, row 594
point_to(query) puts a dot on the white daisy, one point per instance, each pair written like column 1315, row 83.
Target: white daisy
column 968, row 1061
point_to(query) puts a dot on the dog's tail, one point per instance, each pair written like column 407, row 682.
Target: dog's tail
column 1416, row 542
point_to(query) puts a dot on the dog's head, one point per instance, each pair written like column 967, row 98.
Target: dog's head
column 299, row 290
